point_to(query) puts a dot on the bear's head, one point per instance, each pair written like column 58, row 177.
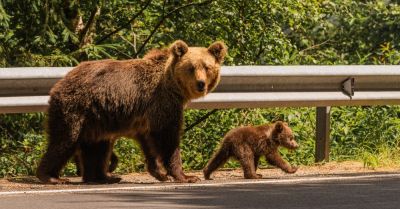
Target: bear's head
column 282, row 135
column 196, row 69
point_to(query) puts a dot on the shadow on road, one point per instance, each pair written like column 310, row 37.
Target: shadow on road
column 360, row 194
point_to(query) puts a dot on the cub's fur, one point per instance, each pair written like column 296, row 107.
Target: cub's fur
column 247, row 144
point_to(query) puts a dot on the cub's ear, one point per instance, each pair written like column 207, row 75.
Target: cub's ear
column 179, row 48
column 218, row 50
column 279, row 126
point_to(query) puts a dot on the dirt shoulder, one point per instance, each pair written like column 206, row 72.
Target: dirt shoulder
column 30, row 183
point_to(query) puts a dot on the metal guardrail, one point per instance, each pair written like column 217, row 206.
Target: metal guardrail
column 26, row 90
column 240, row 86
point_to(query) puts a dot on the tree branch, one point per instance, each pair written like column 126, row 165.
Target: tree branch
column 261, row 49
column 124, row 25
column 314, row 46
column 163, row 18
column 89, row 24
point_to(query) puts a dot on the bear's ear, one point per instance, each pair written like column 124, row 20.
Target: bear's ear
column 179, row 48
column 279, row 126
column 218, row 50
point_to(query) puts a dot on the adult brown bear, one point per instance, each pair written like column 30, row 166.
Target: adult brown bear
column 100, row 101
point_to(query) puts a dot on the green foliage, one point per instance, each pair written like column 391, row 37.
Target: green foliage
column 21, row 143
column 130, row 156
column 360, row 130
column 262, row 32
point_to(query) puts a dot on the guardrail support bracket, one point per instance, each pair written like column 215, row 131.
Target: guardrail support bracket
column 348, row 87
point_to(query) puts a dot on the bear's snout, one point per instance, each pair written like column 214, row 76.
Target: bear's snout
column 201, row 85
column 294, row 145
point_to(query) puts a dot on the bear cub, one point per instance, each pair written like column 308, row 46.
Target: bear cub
column 247, row 144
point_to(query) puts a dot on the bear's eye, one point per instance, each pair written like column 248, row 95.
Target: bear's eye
column 191, row 69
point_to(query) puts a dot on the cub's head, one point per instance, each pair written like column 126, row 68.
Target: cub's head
column 197, row 69
column 283, row 135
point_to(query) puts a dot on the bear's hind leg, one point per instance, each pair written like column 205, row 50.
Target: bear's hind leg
column 56, row 157
column 113, row 162
column 219, row 159
column 96, row 158
column 78, row 163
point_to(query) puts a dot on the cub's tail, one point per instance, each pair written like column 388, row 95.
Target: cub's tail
column 219, row 159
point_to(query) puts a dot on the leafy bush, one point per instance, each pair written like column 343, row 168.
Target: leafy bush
column 22, row 142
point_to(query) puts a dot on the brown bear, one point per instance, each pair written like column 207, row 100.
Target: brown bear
column 78, row 162
column 247, row 144
column 100, row 101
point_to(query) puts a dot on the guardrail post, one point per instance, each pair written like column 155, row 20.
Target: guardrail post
column 322, row 133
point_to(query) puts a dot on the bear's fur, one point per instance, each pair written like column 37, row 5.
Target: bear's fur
column 79, row 163
column 100, row 101
column 247, row 144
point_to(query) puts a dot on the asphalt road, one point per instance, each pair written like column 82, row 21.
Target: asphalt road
column 372, row 192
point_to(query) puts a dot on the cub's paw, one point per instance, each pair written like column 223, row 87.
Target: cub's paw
column 292, row 170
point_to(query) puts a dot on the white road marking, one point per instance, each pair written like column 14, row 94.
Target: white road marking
column 198, row 185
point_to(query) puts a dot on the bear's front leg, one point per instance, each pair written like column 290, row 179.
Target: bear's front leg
column 166, row 141
column 173, row 164
column 276, row 160
column 152, row 156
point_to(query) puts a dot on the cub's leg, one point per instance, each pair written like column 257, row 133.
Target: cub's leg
column 96, row 158
column 256, row 159
column 245, row 155
column 276, row 160
column 246, row 158
column 219, row 159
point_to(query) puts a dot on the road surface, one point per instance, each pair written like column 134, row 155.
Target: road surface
column 376, row 191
